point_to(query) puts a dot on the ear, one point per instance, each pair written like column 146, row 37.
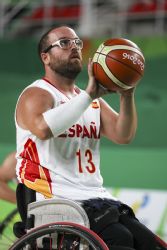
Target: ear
column 45, row 58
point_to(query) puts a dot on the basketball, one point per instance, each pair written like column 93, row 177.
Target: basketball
column 118, row 64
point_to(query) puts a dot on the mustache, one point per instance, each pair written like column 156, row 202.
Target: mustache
column 75, row 55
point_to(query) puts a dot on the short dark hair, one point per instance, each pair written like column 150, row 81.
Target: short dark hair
column 43, row 43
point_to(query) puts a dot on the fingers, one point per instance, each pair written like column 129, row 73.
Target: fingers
column 95, row 89
column 106, row 90
column 90, row 67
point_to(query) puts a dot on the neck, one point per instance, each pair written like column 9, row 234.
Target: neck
column 61, row 82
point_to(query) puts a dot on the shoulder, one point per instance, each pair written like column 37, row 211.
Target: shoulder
column 36, row 92
column 37, row 87
column 34, row 99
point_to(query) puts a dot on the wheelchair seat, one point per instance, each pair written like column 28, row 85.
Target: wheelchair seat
column 59, row 210
column 37, row 213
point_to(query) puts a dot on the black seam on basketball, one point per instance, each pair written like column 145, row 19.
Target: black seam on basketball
column 119, row 62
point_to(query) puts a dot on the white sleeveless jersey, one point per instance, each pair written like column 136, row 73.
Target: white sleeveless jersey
column 66, row 166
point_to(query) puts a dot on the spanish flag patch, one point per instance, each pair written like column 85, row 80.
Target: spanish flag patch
column 95, row 105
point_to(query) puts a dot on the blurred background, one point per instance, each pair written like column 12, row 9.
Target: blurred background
column 135, row 173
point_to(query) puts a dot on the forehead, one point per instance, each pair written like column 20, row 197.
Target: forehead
column 62, row 32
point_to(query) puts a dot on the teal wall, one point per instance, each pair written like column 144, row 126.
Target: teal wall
column 140, row 164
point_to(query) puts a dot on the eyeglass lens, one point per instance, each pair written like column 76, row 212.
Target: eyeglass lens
column 67, row 43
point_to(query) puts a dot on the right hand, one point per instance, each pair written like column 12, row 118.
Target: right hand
column 94, row 89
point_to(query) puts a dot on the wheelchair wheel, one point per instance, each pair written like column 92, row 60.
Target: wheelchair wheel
column 58, row 236
column 6, row 229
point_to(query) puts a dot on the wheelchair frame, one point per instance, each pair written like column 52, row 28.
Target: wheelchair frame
column 35, row 219
column 55, row 217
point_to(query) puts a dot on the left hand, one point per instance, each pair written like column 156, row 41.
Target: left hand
column 94, row 89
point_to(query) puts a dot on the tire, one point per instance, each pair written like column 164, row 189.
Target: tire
column 71, row 235
column 6, row 229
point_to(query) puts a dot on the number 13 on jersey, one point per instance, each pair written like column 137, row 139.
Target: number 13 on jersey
column 90, row 167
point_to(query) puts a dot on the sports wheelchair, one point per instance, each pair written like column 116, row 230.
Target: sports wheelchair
column 58, row 224
column 52, row 224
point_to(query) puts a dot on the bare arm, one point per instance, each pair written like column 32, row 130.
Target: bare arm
column 119, row 127
column 8, row 168
column 32, row 104
column 7, row 173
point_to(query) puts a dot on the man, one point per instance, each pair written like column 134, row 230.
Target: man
column 58, row 134
column 8, row 173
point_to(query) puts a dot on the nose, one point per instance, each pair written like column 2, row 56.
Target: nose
column 73, row 44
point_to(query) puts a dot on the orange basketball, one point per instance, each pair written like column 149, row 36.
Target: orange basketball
column 118, row 64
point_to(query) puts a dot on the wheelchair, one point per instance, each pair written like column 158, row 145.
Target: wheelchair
column 58, row 224
column 6, row 228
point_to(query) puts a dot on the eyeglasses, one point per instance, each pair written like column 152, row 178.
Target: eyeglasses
column 66, row 43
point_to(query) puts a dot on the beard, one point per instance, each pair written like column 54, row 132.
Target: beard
column 68, row 69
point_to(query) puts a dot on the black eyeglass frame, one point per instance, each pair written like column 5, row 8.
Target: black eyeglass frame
column 57, row 43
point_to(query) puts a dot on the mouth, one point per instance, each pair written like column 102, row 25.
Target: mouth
column 75, row 56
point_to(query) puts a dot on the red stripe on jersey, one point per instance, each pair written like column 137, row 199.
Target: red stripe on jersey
column 32, row 173
column 95, row 105
column 34, row 153
column 25, row 154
